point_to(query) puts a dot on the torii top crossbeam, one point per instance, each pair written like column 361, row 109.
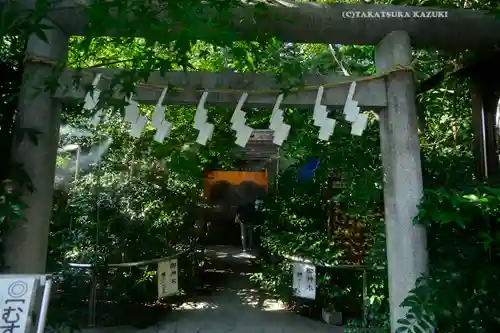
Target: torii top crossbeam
column 309, row 22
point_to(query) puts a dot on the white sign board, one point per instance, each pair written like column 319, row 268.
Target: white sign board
column 16, row 299
column 168, row 278
column 304, row 280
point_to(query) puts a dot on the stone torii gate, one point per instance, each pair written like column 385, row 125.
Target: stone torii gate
column 393, row 97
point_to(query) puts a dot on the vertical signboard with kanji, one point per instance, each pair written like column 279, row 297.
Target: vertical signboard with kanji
column 168, row 276
column 16, row 299
column 304, row 280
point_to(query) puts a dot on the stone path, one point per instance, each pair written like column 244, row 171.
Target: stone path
column 230, row 255
column 234, row 307
column 239, row 309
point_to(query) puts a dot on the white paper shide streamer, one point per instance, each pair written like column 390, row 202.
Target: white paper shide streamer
column 238, row 123
column 200, row 121
column 352, row 114
column 136, row 120
column 163, row 127
column 281, row 130
column 320, row 115
column 91, row 100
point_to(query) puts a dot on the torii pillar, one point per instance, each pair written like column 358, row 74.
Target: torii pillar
column 406, row 243
column 27, row 241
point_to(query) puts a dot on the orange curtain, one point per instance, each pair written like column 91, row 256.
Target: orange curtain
column 235, row 178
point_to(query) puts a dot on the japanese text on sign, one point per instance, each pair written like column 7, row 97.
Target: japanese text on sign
column 16, row 301
column 173, row 271
column 167, row 278
column 304, row 280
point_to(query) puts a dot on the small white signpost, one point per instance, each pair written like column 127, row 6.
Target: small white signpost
column 17, row 298
column 304, row 280
column 168, row 278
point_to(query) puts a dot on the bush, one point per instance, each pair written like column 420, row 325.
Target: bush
column 460, row 294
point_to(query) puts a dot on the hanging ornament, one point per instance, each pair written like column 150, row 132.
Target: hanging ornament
column 163, row 127
column 281, row 134
column 97, row 119
column 137, row 122
column 201, row 115
column 351, row 108
column 281, row 130
column 326, row 131
column 158, row 116
column 92, row 98
column 359, row 126
column 238, row 120
column 320, row 117
column 320, row 114
column 131, row 111
column 205, row 134
column 137, row 127
column 352, row 111
column 200, row 121
column 163, row 131
column 238, row 114
column 277, row 114
column 276, row 120
column 243, row 134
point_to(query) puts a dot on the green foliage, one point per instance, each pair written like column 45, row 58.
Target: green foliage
column 459, row 295
column 128, row 204
column 133, row 204
column 295, row 220
column 12, row 176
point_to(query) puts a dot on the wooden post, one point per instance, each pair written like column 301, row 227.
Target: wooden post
column 399, row 141
column 26, row 248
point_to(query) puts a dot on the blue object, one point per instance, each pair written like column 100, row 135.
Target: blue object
column 307, row 172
